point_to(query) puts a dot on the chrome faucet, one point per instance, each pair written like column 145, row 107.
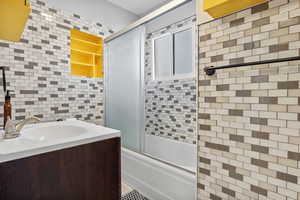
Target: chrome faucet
column 13, row 130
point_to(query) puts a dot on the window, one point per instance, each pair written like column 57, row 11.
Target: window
column 163, row 56
column 173, row 55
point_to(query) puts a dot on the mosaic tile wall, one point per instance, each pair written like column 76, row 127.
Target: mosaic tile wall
column 170, row 106
column 38, row 69
column 249, row 121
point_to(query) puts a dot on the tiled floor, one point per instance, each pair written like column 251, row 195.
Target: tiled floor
column 126, row 189
column 130, row 194
column 133, row 195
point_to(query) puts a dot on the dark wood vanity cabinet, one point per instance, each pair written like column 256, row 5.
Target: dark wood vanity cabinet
column 87, row 172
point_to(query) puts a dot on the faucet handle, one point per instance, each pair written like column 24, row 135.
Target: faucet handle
column 28, row 115
column 10, row 130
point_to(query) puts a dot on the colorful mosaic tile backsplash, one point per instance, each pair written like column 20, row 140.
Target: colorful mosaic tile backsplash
column 249, row 121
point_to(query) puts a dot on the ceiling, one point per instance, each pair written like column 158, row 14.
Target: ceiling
column 139, row 7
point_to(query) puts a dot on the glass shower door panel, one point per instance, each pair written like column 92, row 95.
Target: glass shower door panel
column 123, row 91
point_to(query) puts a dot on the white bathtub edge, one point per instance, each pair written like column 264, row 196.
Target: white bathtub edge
column 156, row 180
column 143, row 188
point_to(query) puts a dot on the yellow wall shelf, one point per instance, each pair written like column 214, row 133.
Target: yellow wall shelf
column 13, row 17
column 86, row 54
column 220, row 8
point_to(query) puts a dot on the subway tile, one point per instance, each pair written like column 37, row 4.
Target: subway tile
column 268, row 100
column 243, row 93
column 260, row 8
column 17, row 73
column 252, row 45
column 260, row 79
column 223, row 87
column 236, row 138
column 236, row 60
column 41, row 3
column 236, row 176
column 294, row 29
column 210, row 99
column 228, row 167
column 36, row 46
column 219, row 147
column 260, row 149
column 214, row 197
column 205, row 37
column 294, row 155
column 288, row 85
column 204, row 160
column 259, row 163
column 20, row 51
column 235, row 112
column 237, row 22
column 229, row 43
column 3, row 44
column 258, row 121
column 261, row 135
column 204, row 116
column 32, row 28
column 204, row 171
column 63, row 27
column 205, row 127
column 217, row 58
column 52, row 10
column 261, row 22
column 228, row 191
column 19, row 58
column 259, row 190
column 287, row 177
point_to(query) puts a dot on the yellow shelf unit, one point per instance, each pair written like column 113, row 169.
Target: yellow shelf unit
column 220, row 8
column 13, row 17
column 86, row 54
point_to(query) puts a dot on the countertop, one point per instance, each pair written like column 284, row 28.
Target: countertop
column 23, row 146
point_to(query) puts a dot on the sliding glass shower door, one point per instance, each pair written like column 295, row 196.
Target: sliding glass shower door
column 124, row 102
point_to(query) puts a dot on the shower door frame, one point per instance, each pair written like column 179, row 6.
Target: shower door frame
column 141, row 86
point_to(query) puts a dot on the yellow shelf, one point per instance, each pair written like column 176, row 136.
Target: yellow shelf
column 83, row 46
column 82, row 64
column 13, row 18
column 91, row 43
column 86, row 37
column 86, row 54
column 220, row 8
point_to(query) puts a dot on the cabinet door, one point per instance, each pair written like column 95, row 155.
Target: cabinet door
column 85, row 172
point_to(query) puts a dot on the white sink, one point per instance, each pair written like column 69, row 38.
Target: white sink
column 46, row 137
column 53, row 132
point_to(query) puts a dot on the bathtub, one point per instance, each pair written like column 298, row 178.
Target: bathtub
column 174, row 178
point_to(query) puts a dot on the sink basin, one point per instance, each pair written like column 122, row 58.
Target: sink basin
column 52, row 136
column 53, row 132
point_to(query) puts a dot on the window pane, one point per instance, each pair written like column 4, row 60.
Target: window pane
column 163, row 57
column 183, row 52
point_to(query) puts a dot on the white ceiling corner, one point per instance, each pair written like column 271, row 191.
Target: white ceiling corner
column 139, row 7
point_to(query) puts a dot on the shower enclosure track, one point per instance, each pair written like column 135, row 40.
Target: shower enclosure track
column 212, row 70
column 160, row 11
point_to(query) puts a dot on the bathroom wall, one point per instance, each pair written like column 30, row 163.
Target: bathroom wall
column 249, row 121
column 114, row 17
column 170, row 106
column 38, row 68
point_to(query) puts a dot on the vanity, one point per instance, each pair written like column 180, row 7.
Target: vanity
column 69, row 160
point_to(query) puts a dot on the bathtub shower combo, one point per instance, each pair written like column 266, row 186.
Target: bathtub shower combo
column 158, row 167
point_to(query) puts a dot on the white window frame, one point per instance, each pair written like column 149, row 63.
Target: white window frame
column 174, row 76
column 153, row 58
